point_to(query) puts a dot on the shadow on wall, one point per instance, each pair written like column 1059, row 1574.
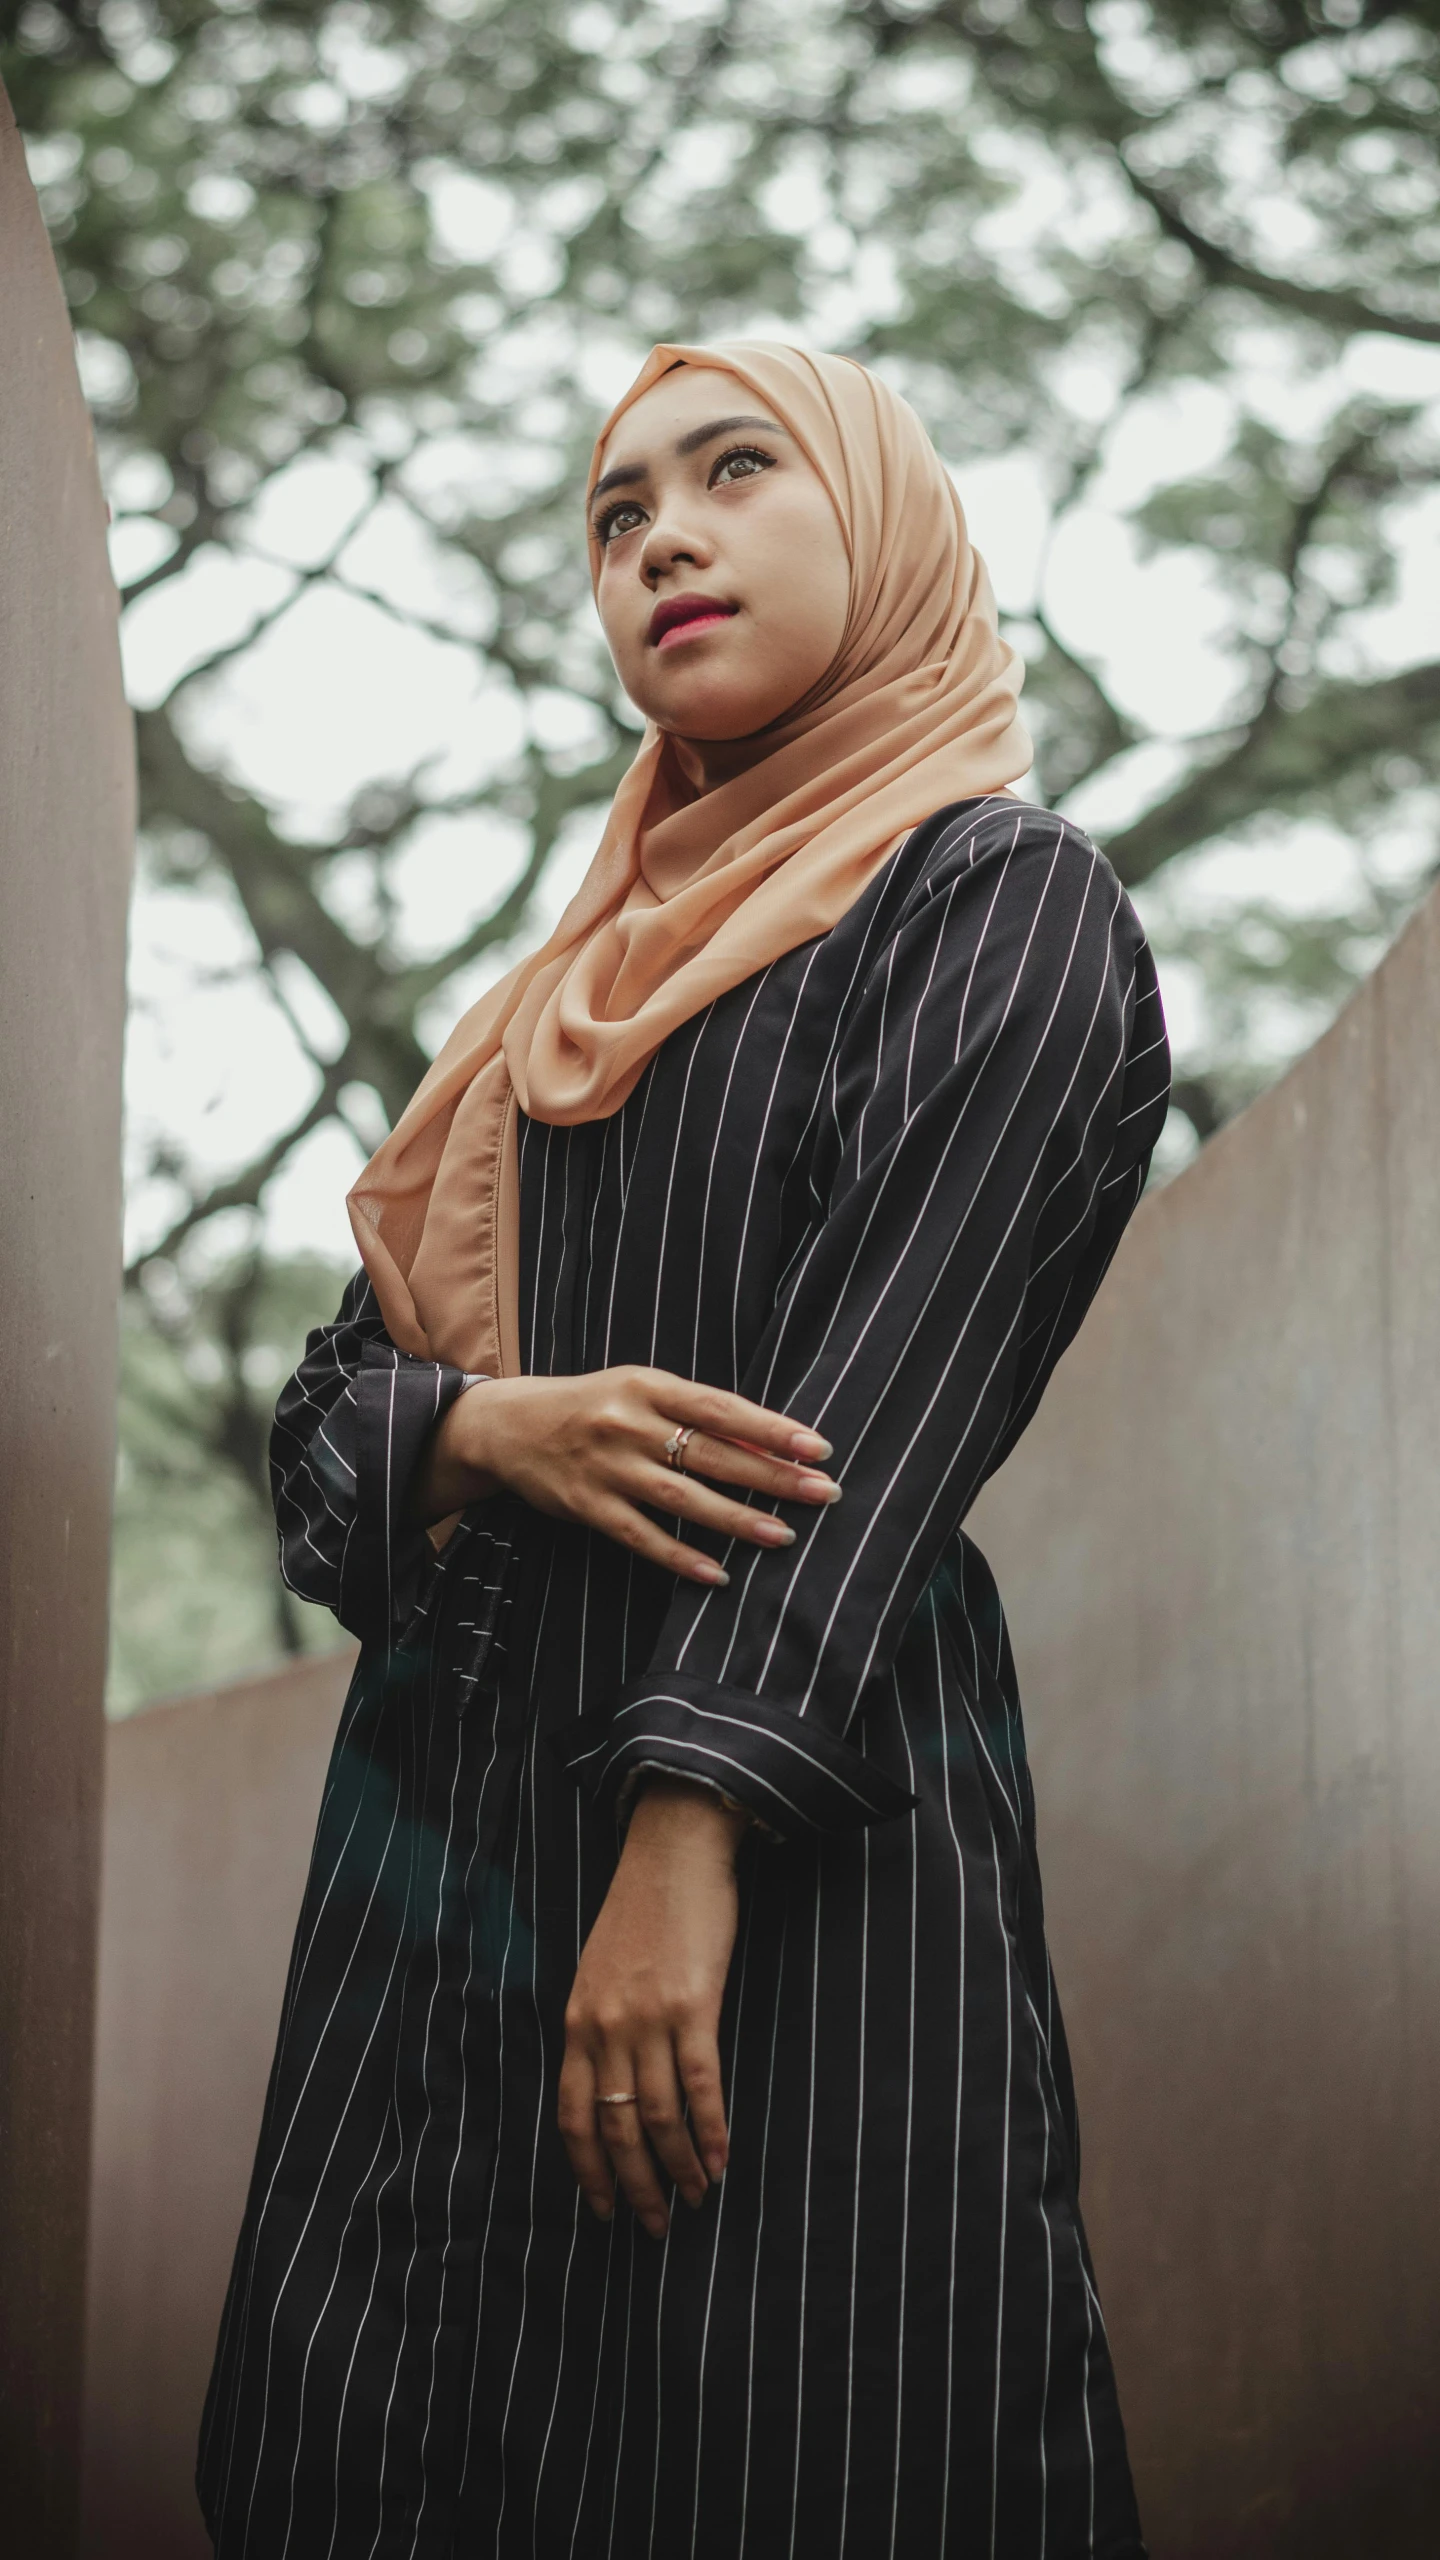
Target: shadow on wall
column 1217, row 1547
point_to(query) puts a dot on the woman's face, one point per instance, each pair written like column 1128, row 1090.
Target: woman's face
column 724, row 583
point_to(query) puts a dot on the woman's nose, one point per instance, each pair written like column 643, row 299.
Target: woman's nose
column 669, row 546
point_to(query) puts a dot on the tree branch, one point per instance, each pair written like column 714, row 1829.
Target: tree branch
column 273, row 878
column 1112, row 733
column 203, row 527
column 242, row 1190
column 557, row 796
column 1334, row 309
column 1197, row 1098
column 1283, row 761
column 303, row 579
column 1099, row 112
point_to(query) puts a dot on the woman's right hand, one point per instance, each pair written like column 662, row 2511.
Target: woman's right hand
column 592, row 1449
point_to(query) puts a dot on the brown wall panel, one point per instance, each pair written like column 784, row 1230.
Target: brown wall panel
column 1219, row 1547
column 210, row 1807
column 65, row 831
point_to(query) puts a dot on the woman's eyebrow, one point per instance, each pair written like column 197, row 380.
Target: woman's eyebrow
column 697, row 436
column 625, row 474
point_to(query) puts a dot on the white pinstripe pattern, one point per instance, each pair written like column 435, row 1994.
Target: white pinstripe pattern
column 715, row 2256
column 805, row 2193
column 959, row 2076
column 759, row 2239
column 905, row 2161
column 876, row 1186
column 859, row 2180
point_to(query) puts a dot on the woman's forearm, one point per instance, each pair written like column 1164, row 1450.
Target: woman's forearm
column 641, row 2081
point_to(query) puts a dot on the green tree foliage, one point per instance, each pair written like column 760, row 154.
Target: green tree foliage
column 417, row 243
column 196, row 1594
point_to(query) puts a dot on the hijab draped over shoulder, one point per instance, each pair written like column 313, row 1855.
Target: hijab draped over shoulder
column 691, row 892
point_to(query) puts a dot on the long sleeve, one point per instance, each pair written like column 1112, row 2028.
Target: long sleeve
column 349, row 1430
column 995, row 1093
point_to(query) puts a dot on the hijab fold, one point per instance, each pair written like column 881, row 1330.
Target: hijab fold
column 692, row 892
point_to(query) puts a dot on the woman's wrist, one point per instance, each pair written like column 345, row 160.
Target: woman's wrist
column 671, row 1812
column 453, row 1471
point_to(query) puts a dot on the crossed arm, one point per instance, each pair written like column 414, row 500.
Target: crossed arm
column 642, row 2021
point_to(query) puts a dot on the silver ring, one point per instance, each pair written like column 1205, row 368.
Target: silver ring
column 675, row 1446
column 617, row 2098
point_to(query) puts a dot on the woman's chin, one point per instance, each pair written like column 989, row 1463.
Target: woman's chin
column 714, row 715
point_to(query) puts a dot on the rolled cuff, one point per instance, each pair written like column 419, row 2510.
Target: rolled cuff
column 399, row 1399
column 791, row 1773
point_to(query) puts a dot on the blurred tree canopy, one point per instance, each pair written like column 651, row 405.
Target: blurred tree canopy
column 354, row 280
column 197, row 1592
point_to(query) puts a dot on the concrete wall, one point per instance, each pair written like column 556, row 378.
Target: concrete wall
column 65, row 830
column 1220, row 1551
column 210, row 1806
column 1218, row 1546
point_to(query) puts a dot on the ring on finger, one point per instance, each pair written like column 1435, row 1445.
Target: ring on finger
column 616, row 2098
column 675, row 1446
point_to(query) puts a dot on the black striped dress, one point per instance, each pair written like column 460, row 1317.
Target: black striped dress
column 874, row 1187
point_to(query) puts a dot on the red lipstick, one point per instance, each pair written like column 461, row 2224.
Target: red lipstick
column 682, row 617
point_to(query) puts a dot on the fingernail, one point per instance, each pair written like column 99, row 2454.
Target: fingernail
column 715, row 1573
column 819, row 1489
column 809, row 1444
column 716, row 2167
column 775, row 1533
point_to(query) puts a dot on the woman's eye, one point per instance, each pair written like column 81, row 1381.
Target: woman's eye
column 619, row 519
column 741, row 463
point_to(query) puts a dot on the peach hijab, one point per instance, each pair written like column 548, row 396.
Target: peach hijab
column 690, row 893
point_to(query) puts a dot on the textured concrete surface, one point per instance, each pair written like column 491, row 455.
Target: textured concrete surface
column 210, row 1808
column 1219, row 1547
column 65, row 831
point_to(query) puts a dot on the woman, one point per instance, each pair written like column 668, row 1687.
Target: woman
column 679, row 1819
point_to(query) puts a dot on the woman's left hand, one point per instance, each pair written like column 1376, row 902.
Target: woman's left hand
column 643, row 2019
